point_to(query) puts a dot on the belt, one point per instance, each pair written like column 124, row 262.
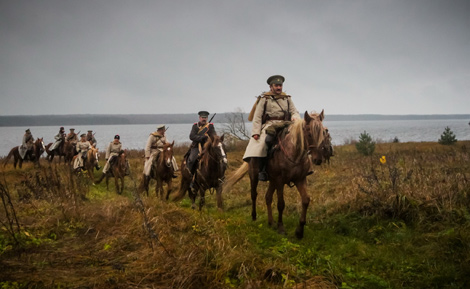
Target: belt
column 275, row 118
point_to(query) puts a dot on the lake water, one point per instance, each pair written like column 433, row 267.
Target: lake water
column 135, row 136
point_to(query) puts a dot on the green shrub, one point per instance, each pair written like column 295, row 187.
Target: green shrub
column 365, row 145
column 447, row 137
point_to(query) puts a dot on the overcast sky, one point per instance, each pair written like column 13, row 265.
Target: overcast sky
column 141, row 57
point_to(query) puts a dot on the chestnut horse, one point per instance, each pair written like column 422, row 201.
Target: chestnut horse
column 289, row 164
column 162, row 171
column 90, row 161
column 117, row 171
column 32, row 155
column 326, row 147
column 59, row 152
column 209, row 175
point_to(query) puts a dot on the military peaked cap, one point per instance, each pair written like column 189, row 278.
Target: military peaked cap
column 276, row 79
column 161, row 126
column 27, row 130
column 203, row 113
column 117, row 137
column 83, row 135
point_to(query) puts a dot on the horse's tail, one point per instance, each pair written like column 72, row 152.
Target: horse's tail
column 10, row 154
column 235, row 177
column 184, row 186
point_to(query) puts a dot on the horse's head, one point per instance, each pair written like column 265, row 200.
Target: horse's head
column 168, row 153
column 214, row 149
column 314, row 135
column 93, row 154
column 40, row 144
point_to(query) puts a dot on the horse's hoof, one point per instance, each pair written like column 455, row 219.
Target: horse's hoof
column 299, row 233
column 280, row 230
column 193, row 206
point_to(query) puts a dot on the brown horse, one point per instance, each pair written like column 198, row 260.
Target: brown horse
column 90, row 162
column 117, row 171
column 162, row 171
column 59, row 152
column 326, row 147
column 70, row 150
column 289, row 164
column 32, row 155
column 209, row 175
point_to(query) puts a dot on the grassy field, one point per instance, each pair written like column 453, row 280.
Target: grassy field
column 403, row 222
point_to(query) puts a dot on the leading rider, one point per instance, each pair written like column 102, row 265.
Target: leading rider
column 271, row 108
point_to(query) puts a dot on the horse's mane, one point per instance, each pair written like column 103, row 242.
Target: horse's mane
column 317, row 128
column 297, row 131
column 297, row 134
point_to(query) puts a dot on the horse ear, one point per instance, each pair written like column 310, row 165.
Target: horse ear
column 307, row 117
column 222, row 138
column 322, row 115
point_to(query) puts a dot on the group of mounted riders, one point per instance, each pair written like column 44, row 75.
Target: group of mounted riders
column 272, row 112
column 269, row 157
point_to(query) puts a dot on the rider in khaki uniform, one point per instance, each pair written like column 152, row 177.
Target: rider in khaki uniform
column 113, row 150
column 28, row 141
column 58, row 139
column 271, row 107
column 154, row 146
column 72, row 137
column 90, row 137
column 82, row 148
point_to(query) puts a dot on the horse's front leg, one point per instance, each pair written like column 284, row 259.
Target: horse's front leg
column 202, row 200
column 280, row 208
column 116, row 185
column 122, row 185
column 169, row 185
column 218, row 192
column 302, row 188
column 159, row 188
column 253, row 172
column 269, row 201
column 192, row 194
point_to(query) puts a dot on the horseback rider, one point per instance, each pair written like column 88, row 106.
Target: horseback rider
column 200, row 132
column 272, row 107
column 90, row 137
column 113, row 150
column 27, row 144
column 72, row 137
column 153, row 147
column 82, row 148
column 58, row 139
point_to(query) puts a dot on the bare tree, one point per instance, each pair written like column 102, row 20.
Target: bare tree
column 235, row 125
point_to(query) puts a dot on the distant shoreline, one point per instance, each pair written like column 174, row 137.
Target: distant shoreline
column 116, row 119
